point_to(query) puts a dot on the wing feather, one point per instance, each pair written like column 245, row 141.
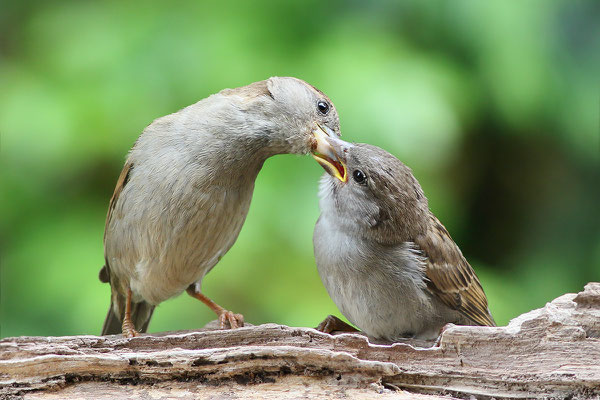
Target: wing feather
column 121, row 182
column 449, row 275
column 104, row 274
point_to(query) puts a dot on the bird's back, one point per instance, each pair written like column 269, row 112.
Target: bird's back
column 181, row 209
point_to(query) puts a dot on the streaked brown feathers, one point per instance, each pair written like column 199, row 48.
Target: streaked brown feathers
column 449, row 275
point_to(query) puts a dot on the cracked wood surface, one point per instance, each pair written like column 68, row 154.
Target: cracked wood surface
column 550, row 352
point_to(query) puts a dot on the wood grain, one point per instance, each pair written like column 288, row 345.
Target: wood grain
column 550, row 352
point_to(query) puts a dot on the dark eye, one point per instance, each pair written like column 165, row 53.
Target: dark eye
column 359, row 176
column 323, row 107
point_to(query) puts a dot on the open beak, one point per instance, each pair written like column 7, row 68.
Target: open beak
column 327, row 150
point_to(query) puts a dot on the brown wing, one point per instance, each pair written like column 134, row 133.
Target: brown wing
column 104, row 274
column 450, row 277
column 121, row 182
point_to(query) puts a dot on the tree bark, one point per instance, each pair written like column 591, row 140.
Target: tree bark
column 550, row 352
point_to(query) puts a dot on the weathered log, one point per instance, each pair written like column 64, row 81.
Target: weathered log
column 550, row 352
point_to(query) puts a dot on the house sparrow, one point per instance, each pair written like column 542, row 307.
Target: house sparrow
column 387, row 262
column 186, row 187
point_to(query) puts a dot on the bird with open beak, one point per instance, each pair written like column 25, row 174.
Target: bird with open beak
column 185, row 190
column 387, row 262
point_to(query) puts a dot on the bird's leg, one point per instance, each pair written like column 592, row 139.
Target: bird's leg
column 444, row 328
column 128, row 327
column 235, row 320
column 333, row 323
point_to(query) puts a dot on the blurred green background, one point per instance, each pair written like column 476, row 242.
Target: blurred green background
column 494, row 104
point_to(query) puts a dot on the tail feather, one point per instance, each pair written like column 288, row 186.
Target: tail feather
column 140, row 316
column 112, row 323
column 140, row 312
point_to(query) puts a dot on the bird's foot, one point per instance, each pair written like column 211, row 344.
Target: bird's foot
column 234, row 321
column 333, row 323
column 128, row 329
column 444, row 328
column 226, row 317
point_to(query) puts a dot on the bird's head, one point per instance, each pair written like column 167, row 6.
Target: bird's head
column 291, row 115
column 306, row 115
column 379, row 199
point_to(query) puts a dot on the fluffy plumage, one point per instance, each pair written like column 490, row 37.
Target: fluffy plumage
column 387, row 262
column 186, row 187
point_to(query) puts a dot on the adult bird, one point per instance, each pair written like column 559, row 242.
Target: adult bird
column 387, row 262
column 185, row 190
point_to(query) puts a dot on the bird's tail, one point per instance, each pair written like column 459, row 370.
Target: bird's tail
column 140, row 312
column 140, row 316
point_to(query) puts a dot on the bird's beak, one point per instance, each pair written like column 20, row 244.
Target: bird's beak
column 327, row 149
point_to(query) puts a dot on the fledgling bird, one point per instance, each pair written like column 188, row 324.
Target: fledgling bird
column 387, row 262
column 186, row 187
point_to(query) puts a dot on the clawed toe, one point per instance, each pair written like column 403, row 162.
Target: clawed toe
column 131, row 333
column 129, row 330
column 229, row 320
column 444, row 328
column 127, row 327
column 332, row 323
column 326, row 326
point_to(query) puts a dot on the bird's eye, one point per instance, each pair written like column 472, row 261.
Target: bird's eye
column 359, row 176
column 323, row 107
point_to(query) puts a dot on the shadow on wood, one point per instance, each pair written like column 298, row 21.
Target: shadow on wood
column 550, row 352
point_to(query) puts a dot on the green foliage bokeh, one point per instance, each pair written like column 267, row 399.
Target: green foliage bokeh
column 493, row 104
